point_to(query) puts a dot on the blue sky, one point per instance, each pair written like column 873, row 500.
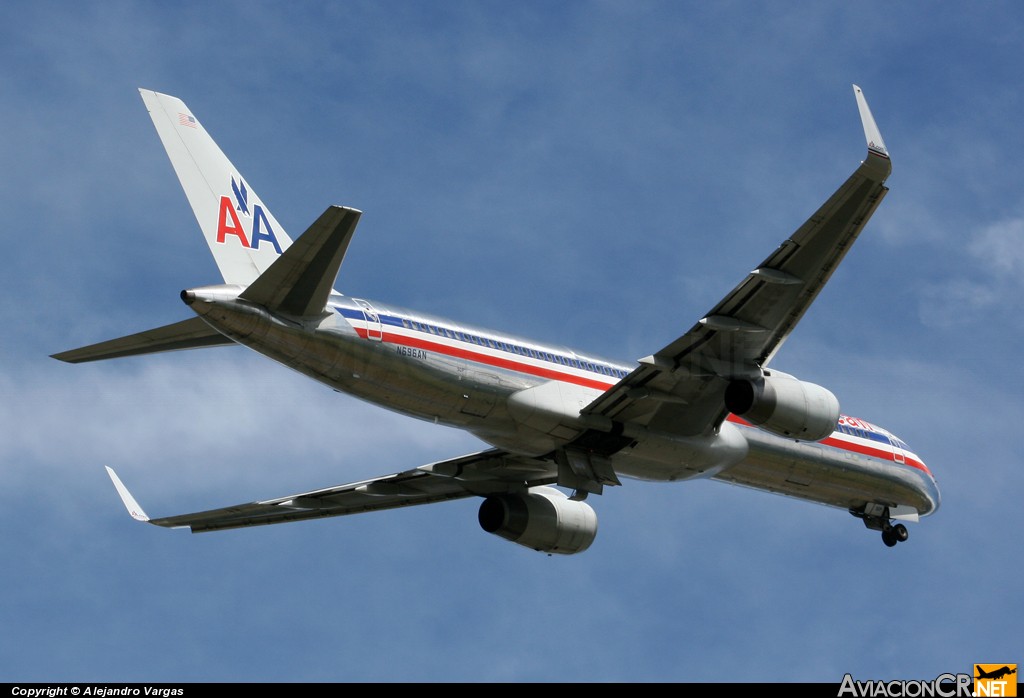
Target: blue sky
column 594, row 174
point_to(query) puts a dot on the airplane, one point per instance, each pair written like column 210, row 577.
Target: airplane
column 996, row 674
column 560, row 424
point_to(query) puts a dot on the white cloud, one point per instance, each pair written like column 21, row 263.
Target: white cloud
column 1000, row 248
column 200, row 423
column 987, row 274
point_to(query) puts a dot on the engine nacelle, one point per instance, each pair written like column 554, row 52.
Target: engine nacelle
column 543, row 519
column 784, row 405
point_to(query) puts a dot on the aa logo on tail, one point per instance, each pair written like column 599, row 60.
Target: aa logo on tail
column 241, row 195
column 995, row 679
column 228, row 222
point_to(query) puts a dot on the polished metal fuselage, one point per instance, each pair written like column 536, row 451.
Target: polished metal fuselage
column 462, row 379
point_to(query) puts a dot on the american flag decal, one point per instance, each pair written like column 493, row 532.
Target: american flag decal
column 187, row 120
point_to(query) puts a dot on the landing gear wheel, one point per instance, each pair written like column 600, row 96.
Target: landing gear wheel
column 878, row 517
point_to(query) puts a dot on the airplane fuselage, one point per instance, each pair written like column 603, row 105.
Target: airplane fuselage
column 705, row 405
column 526, row 397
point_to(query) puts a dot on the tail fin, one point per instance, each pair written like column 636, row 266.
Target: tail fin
column 243, row 235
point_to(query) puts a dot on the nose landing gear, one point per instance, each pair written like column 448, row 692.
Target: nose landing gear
column 877, row 518
column 894, row 534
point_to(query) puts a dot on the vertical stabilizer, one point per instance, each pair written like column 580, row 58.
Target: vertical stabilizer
column 243, row 235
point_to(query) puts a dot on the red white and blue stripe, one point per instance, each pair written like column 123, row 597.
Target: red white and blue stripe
column 548, row 363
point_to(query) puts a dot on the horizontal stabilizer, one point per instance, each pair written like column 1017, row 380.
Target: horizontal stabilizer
column 188, row 334
column 301, row 279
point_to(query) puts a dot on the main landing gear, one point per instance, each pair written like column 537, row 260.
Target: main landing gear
column 876, row 517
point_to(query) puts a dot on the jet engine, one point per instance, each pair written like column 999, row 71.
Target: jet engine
column 543, row 519
column 783, row 405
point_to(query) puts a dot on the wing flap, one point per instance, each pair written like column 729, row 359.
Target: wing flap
column 350, row 499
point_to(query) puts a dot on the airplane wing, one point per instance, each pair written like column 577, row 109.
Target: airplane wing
column 478, row 474
column 681, row 387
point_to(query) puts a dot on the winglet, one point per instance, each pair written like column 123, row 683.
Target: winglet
column 878, row 154
column 129, row 501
